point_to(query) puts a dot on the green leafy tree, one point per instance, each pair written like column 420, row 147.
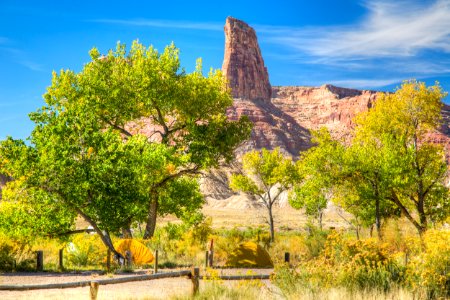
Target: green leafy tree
column 400, row 124
column 267, row 175
column 147, row 91
column 389, row 167
column 87, row 151
column 365, row 181
column 318, row 171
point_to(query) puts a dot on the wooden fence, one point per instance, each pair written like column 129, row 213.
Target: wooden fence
column 193, row 274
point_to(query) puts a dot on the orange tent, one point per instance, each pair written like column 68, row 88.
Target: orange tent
column 140, row 254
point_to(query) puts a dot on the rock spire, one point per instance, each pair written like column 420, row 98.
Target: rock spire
column 243, row 64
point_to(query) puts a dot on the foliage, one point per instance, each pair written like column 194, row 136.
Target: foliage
column 413, row 168
column 317, row 169
column 84, row 251
column 15, row 256
column 217, row 290
column 429, row 271
column 182, row 244
column 390, row 166
column 267, row 175
column 352, row 264
column 86, row 155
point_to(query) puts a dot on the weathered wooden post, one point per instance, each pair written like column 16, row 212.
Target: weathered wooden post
column 155, row 270
column 61, row 259
column 94, row 289
column 211, row 254
column 108, row 261
column 195, row 275
column 206, row 259
column 287, row 257
column 40, row 261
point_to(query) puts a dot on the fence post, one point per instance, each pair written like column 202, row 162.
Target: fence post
column 155, row 270
column 206, row 259
column 40, row 261
column 108, row 261
column 211, row 258
column 211, row 253
column 128, row 258
column 61, row 259
column 287, row 257
column 195, row 274
column 94, row 289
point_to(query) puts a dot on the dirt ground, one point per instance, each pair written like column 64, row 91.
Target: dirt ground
column 149, row 289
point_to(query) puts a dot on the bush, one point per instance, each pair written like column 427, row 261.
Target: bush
column 352, row 264
column 15, row 255
column 429, row 271
column 85, row 250
column 367, row 264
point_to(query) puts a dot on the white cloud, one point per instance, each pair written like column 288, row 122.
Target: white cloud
column 390, row 29
column 22, row 58
column 366, row 83
column 33, row 66
column 392, row 33
column 164, row 24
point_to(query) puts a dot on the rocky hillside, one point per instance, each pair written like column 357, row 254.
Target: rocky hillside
column 284, row 115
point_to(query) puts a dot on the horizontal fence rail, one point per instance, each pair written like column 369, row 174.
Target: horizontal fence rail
column 237, row 277
column 88, row 282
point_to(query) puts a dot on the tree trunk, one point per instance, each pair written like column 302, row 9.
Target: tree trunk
column 405, row 212
column 126, row 233
column 422, row 216
column 104, row 235
column 378, row 217
column 272, row 230
column 320, row 219
column 151, row 219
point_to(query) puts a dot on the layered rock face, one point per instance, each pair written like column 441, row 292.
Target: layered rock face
column 243, row 64
column 287, row 114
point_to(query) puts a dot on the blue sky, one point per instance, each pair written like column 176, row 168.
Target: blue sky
column 368, row 44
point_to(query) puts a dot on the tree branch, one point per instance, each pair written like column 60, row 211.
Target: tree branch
column 121, row 129
column 405, row 211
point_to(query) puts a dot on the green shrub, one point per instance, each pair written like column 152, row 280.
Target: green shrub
column 15, row 255
column 84, row 251
column 7, row 261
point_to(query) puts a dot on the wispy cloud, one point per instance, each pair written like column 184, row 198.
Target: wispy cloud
column 390, row 29
column 404, row 37
column 22, row 58
column 366, row 83
column 32, row 65
column 163, row 24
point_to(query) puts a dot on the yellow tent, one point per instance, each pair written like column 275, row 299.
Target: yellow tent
column 139, row 253
column 249, row 254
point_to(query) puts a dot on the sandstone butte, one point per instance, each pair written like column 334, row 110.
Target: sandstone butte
column 283, row 115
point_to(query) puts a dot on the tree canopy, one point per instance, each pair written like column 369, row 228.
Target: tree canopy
column 267, row 174
column 390, row 166
column 125, row 139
